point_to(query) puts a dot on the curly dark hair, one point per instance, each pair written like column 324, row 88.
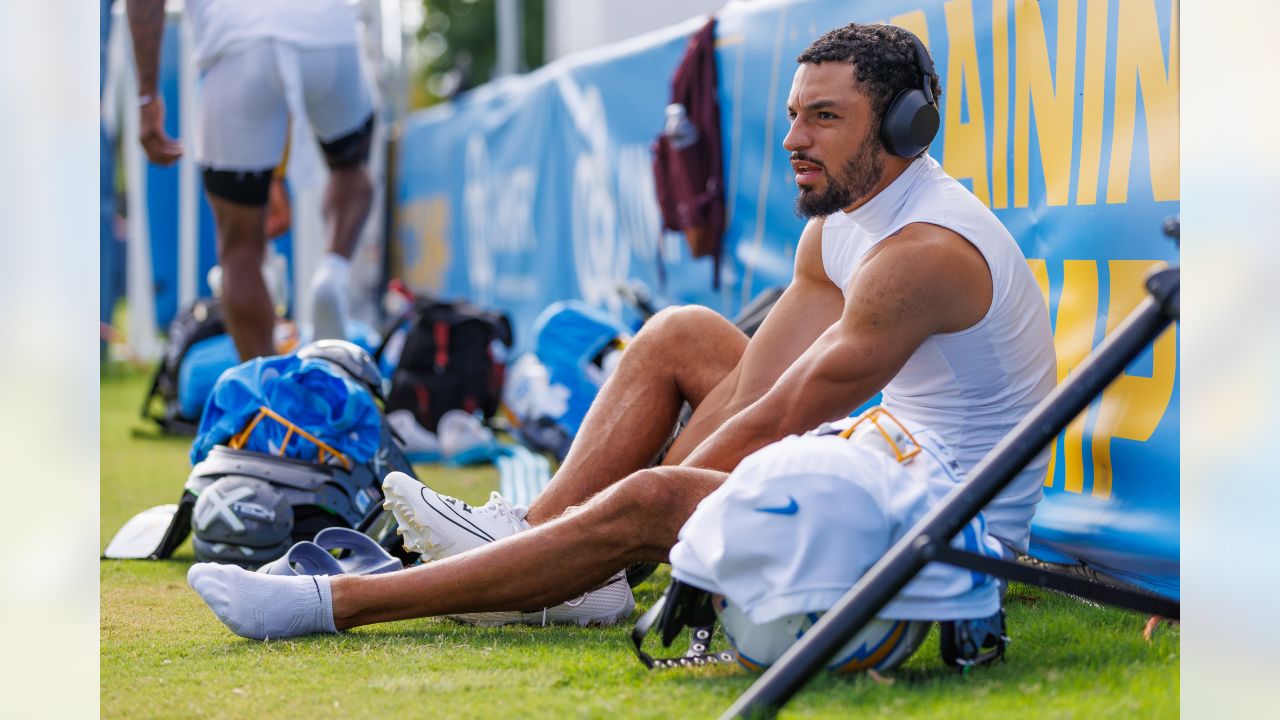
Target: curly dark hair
column 884, row 60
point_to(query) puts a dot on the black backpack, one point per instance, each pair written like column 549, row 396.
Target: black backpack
column 447, row 361
column 201, row 321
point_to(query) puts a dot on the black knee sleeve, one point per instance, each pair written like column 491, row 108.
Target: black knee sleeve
column 246, row 187
column 350, row 149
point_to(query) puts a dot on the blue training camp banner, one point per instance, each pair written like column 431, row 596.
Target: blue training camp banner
column 1062, row 117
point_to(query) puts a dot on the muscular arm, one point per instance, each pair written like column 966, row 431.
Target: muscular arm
column 809, row 305
column 924, row 280
column 146, row 25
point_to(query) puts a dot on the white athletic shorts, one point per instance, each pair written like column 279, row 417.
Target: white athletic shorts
column 799, row 521
column 245, row 101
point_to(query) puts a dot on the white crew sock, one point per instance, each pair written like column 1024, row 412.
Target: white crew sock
column 329, row 297
column 260, row 606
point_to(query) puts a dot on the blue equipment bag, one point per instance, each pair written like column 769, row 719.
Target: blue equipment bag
column 332, row 411
column 309, row 426
column 199, row 371
column 571, row 339
column 197, row 350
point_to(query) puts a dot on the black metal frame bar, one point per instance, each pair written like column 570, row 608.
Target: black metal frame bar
column 925, row 541
column 1087, row 589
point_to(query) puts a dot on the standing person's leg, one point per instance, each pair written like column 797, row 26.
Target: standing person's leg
column 340, row 108
column 243, row 121
column 246, row 303
column 347, row 199
column 681, row 354
column 636, row 520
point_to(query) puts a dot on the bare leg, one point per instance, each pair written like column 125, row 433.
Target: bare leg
column 347, row 199
column 346, row 206
column 247, row 304
column 679, row 355
column 635, row 520
column 721, row 404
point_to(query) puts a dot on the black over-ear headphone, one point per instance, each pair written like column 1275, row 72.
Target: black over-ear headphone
column 911, row 121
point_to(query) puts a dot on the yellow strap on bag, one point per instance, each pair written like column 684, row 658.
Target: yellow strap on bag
column 324, row 451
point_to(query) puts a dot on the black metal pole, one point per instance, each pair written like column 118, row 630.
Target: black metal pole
column 908, row 556
column 1143, row 602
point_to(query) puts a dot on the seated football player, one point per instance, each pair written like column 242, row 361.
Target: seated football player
column 904, row 283
column 797, row 523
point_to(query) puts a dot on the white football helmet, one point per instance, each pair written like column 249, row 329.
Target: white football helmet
column 882, row 645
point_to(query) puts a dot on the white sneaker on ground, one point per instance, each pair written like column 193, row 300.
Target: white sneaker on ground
column 329, row 297
column 439, row 526
column 608, row 604
column 419, row 443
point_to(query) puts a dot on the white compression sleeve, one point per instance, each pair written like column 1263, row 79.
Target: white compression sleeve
column 261, row 606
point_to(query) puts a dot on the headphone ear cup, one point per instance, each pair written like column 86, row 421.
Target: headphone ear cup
column 909, row 125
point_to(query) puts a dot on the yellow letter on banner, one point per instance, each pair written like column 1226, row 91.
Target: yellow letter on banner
column 1133, row 405
column 964, row 154
column 1000, row 103
column 916, row 22
column 1072, row 342
column 1055, row 106
column 1140, row 58
column 425, row 221
column 1095, row 66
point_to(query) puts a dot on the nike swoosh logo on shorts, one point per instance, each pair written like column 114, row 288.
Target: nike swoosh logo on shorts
column 788, row 509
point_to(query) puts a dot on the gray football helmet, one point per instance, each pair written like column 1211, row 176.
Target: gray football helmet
column 241, row 520
column 351, row 359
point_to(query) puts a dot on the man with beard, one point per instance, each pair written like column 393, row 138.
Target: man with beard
column 904, row 283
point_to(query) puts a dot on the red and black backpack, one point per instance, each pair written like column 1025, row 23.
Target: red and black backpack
column 453, row 356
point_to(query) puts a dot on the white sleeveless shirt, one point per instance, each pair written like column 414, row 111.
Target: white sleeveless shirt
column 972, row 386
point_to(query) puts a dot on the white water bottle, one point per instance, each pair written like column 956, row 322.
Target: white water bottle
column 679, row 129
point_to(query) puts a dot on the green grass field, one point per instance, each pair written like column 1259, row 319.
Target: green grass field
column 164, row 655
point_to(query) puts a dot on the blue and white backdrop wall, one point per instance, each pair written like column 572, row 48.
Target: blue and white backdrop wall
column 1061, row 116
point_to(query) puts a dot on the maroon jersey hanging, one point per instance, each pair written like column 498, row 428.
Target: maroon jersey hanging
column 687, row 164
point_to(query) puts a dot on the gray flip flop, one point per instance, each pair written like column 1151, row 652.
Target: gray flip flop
column 361, row 554
column 304, row 558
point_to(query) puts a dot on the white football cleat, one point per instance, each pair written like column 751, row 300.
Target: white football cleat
column 609, row 604
column 439, row 526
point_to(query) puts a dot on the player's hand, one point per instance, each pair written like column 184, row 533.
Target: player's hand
column 278, row 212
column 162, row 149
